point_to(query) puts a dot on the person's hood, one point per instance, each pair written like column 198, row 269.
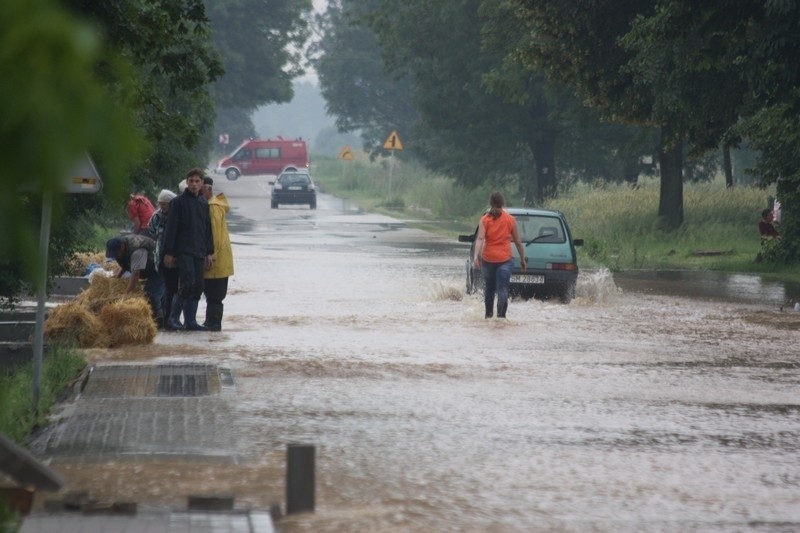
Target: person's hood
column 219, row 200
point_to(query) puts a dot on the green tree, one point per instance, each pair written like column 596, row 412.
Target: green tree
column 260, row 43
column 56, row 107
column 354, row 82
column 766, row 53
column 662, row 63
column 456, row 104
column 169, row 44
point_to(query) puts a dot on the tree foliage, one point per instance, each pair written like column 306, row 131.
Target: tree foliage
column 358, row 90
column 56, row 107
column 260, row 43
column 169, row 44
column 457, row 105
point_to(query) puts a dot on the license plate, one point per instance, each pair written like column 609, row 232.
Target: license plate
column 295, row 188
column 533, row 279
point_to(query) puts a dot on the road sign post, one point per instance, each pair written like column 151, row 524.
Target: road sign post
column 345, row 154
column 392, row 143
column 84, row 179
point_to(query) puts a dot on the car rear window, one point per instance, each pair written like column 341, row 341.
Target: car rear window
column 295, row 179
column 540, row 229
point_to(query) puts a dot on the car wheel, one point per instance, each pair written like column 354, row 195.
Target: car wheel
column 232, row 174
column 313, row 205
column 567, row 293
column 527, row 293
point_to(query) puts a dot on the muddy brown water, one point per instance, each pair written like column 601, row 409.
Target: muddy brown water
column 633, row 408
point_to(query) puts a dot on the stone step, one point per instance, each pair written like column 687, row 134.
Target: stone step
column 15, row 353
column 16, row 330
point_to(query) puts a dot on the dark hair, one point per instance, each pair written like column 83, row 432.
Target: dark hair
column 496, row 201
column 765, row 212
column 207, row 180
column 195, row 172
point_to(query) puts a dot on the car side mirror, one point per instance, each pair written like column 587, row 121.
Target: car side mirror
column 466, row 238
column 271, row 182
column 577, row 242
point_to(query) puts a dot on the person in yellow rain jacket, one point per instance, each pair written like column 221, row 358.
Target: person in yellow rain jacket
column 216, row 278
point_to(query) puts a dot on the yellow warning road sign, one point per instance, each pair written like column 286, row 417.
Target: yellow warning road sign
column 346, row 153
column 393, row 142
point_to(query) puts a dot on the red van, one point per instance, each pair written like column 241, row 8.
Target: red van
column 263, row 156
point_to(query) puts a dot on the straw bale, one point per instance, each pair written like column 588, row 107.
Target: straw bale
column 104, row 291
column 128, row 321
column 72, row 322
column 78, row 262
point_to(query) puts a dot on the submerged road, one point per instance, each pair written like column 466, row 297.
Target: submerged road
column 351, row 331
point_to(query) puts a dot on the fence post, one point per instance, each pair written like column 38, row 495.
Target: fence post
column 299, row 478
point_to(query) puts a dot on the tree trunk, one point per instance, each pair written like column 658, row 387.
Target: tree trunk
column 726, row 162
column 542, row 143
column 544, row 156
column 630, row 171
column 670, row 205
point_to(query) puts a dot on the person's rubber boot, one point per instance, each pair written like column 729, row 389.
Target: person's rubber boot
column 174, row 318
column 190, row 316
column 501, row 310
column 214, row 317
column 159, row 318
column 489, row 313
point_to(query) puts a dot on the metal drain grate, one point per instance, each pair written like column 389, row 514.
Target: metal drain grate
column 176, row 380
column 182, row 384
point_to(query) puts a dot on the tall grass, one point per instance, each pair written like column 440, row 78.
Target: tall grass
column 618, row 223
column 620, row 226
column 397, row 185
column 61, row 365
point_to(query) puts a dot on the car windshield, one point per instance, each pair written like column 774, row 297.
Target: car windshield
column 294, row 179
column 539, row 228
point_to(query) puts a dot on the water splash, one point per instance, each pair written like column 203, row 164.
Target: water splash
column 596, row 286
column 446, row 292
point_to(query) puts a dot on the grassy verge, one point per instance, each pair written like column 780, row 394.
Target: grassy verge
column 617, row 222
column 60, row 366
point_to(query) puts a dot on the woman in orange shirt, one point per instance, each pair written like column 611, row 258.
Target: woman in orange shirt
column 493, row 253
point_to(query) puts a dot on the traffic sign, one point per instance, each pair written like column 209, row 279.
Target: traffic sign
column 84, row 178
column 346, row 153
column 393, row 142
column 224, row 138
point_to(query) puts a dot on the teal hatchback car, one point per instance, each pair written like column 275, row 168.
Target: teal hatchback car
column 549, row 250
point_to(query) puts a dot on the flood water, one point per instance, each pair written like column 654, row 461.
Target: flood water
column 633, row 408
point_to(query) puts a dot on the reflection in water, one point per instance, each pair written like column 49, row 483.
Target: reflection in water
column 711, row 285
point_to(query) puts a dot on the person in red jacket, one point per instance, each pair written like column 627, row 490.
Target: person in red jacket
column 766, row 228
column 140, row 209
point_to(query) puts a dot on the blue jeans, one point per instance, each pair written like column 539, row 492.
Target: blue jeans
column 497, row 277
column 154, row 288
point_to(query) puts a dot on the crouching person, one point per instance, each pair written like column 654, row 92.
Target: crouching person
column 136, row 254
column 189, row 246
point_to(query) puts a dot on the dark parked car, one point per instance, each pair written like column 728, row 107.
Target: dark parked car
column 294, row 186
column 550, row 253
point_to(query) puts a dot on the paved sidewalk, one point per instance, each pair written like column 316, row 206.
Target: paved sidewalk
column 180, row 410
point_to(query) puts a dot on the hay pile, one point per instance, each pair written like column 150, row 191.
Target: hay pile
column 78, row 262
column 72, row 322
column 104, row 315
